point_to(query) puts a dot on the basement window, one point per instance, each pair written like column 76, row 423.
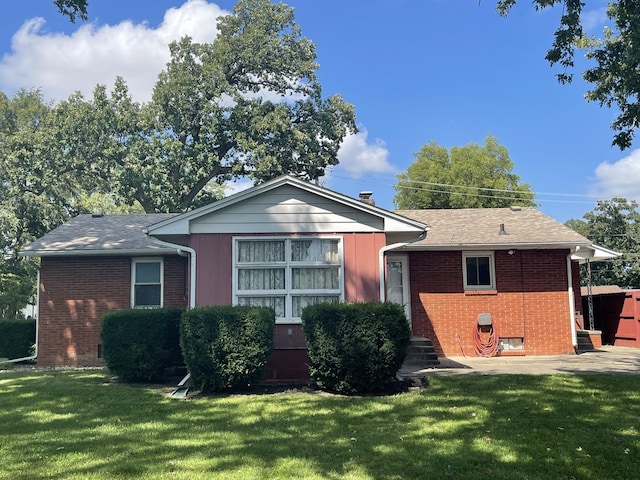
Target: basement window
column 511, row 343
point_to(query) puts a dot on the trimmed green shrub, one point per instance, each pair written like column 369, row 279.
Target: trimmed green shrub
column 17, row 336
column 355, row 348
column 225, row 347
column 139, row 344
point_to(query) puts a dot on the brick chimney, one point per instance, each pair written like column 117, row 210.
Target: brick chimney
column 365, row 197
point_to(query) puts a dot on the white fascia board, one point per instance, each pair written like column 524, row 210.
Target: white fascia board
column 179, row 225
column 594, row 253
column 93, row 253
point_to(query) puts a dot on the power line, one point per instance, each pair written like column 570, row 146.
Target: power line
column 383, row 180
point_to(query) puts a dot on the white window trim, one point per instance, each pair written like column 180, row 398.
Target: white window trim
column 492, row 270
column 287, row 292
column 134, row 262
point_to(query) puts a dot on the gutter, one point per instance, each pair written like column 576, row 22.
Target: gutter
column 393, row 246
column 572, row 301
column 88, row 253
column 183, row 251
column 35, row 354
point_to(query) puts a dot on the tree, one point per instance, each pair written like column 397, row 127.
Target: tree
column 613, row 224
column 472, row 176
column 616, row 56
column 38, row 190
column 73, row 9
column 247, row 105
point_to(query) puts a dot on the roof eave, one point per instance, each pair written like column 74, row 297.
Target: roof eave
column 96, row 253
column 496, row 246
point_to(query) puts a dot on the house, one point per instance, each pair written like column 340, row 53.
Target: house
column 287, row 244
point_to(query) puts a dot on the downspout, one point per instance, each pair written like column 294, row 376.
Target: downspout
column 182, row 250
column 35, row 353
column 572, row 302
column 393, row 246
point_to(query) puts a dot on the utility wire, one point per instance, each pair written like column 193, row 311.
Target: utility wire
column 383, row 180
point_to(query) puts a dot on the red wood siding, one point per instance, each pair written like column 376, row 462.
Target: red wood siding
column 289, row 360
column 530, row 301
column 214, row 268
column 76, row 292
column 361, row 266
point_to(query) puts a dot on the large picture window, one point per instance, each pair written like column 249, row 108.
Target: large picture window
column 287, row 274
column 478, row 271
column 146, row 282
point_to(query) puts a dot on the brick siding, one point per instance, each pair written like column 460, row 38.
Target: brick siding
column 530, row 301
column 74, row 294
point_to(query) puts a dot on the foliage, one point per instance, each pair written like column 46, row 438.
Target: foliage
column 17, row 336
column 355, row 348
column 77, row 425
column 226, row 348
column 73, row 9
column 246, row 105
column 616, row 57
column 35, row 194
column 139, row 344
column 472, row 176
column 613, row 224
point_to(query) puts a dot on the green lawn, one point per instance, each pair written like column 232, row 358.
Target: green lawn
column 82, row 425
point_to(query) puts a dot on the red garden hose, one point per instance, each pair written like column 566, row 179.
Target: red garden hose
column 487, row 347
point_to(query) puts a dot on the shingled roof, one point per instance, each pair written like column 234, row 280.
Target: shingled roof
column 99, row 235
column 481, row 227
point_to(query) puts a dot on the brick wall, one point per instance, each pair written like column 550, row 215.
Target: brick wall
column 530, row 301
column 76, row 292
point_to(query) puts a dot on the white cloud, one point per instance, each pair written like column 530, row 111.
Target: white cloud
column 619, row 179
column 359, row 157
column 60, row 64
column 594, row 18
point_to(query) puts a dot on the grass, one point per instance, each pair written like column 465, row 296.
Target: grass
column 82, row 425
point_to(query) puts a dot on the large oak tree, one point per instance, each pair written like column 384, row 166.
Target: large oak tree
column 246, row 105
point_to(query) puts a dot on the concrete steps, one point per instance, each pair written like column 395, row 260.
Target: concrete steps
column 421, row 353
column 588, row 340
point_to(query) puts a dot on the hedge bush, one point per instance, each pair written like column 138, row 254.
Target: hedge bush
column 226, row 348
column 17, row 336
column 139, row 344
column 355, row 348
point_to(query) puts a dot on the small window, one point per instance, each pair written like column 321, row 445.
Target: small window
column 478, row 271
column 514, row 343
column 146, row 283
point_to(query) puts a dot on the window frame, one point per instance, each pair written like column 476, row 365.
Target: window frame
column 288, row 265
column 492, row 270
column 135, row 261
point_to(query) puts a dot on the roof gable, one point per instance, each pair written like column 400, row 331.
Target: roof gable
column 287, row 204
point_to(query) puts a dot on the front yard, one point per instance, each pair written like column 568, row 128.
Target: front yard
column 83, row 425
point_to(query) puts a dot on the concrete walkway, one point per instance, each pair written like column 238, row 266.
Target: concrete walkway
column 607, row 359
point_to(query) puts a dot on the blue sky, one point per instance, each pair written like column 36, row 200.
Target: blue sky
column 450, row 71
